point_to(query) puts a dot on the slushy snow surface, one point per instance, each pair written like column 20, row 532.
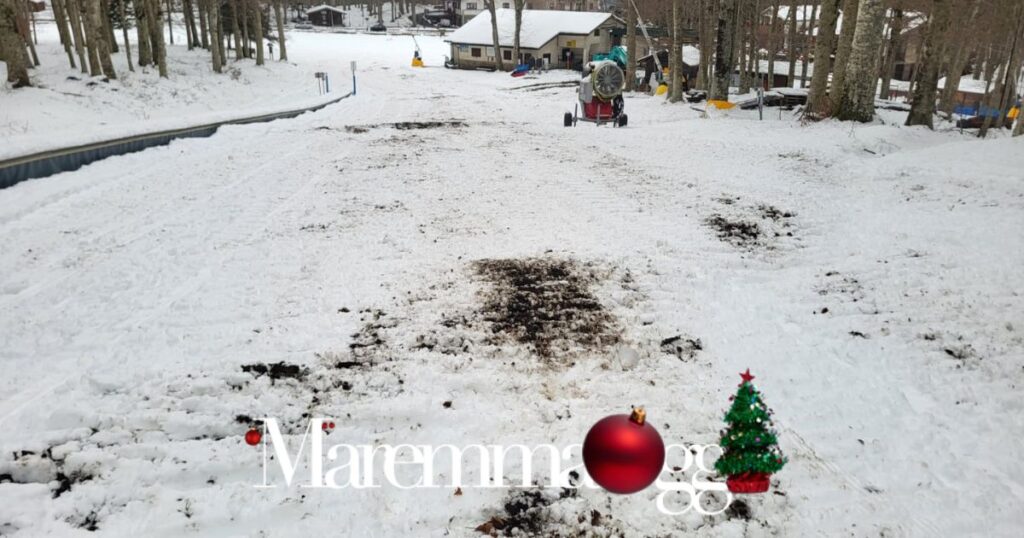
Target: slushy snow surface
column 868, row 275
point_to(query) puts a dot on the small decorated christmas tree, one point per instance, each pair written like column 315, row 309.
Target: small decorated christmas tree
column 751, row 453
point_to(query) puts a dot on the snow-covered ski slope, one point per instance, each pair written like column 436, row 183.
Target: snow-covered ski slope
column 877, row 301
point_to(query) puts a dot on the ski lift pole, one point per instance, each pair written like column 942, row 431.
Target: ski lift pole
column 650, row 44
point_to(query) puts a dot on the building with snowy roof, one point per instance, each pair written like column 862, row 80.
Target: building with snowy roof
column 324, row 15
column 564, row 38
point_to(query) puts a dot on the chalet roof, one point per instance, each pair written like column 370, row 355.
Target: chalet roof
column 538, row 27
column 322, row 7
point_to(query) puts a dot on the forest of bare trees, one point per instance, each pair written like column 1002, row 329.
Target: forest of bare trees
column 87, row 32
column 847, row 52
column 851, row 48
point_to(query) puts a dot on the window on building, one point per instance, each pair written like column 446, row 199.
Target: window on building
column 506, row 54
column 505, row 5
column 475, row 52
column 597, row 32
column 470, row 5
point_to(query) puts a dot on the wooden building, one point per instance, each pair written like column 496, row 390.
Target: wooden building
column 324, row 15
column 564, row 39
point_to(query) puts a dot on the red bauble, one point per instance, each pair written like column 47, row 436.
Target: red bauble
column 748, row 483
column 253, row 437
column 623, row 453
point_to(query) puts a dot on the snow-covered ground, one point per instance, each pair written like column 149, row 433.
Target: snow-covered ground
column 877, row 301
column 67, row 107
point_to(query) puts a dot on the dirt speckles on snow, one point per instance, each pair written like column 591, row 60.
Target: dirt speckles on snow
column 740, row 233
column 406, row 125
column 681, row 347
column 370, row 337
column 546, row 304
column 275, row 371
column 547, row 512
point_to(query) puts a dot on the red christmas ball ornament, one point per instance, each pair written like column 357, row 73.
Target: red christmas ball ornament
column 253, row 437
column 623, row 453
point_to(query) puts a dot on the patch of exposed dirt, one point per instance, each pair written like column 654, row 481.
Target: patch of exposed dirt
column 275, row 371
column 681, row 347
column 370, row 336
column 405, row 125
column 750, row 226
column 740, row 233
column 548, row 513
column 546, row 304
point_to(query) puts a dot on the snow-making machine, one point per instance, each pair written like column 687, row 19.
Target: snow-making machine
column 600, row 93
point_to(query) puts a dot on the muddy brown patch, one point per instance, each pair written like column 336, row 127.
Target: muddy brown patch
column 405, row 125
column 546, row 304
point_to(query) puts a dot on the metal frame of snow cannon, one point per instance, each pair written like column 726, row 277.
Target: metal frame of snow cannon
column 598, row 109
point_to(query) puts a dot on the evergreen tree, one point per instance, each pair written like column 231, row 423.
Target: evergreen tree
column 749, row 445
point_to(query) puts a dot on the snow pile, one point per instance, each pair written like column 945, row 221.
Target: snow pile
column 67, row 107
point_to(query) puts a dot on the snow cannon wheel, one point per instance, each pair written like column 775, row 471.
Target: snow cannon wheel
column 567, row 120
column 622, row 120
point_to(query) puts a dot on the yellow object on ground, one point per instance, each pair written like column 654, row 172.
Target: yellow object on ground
column 720, row 104
column 662, row 89
column 417, row 62
column 1014, row 112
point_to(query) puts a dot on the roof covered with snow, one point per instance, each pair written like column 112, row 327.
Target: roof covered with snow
column 538, row 27
column 324, row 6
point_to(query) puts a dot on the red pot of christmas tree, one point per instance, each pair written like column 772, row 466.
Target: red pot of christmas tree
column 750, row 447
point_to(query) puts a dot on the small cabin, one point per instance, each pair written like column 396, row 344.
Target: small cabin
column 324, row 15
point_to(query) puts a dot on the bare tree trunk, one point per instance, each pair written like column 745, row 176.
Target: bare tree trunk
column 989, row 99
column 773, row 43
column 236, row 29
column 221, row 38
column 189, row 24
column 519, row 5
column 739, row 40
column 858, row 101
column 98, row 37
column 60, row 18
column 708, row 24
column 212, row 8
column 805, row 47
column 630, row 46
column 124, row 33
column 850, row 9
column 791, row 38
column 108, row 26
column 70, row 8
column 724, row 51
column 818, row 103
column 170, row 27
column 1011, row 72
column 91, row 50
column 23, row 18
column 889, row 63
column 79, row 29
column 12, row 46
column 498, row 64
column 145, row 44
column 676, row 83
column 258, row 30
column 279, row 15
column 243, row 7
column 203, row 26
column 957, row 63
column 157, row 35
column 922, row 108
